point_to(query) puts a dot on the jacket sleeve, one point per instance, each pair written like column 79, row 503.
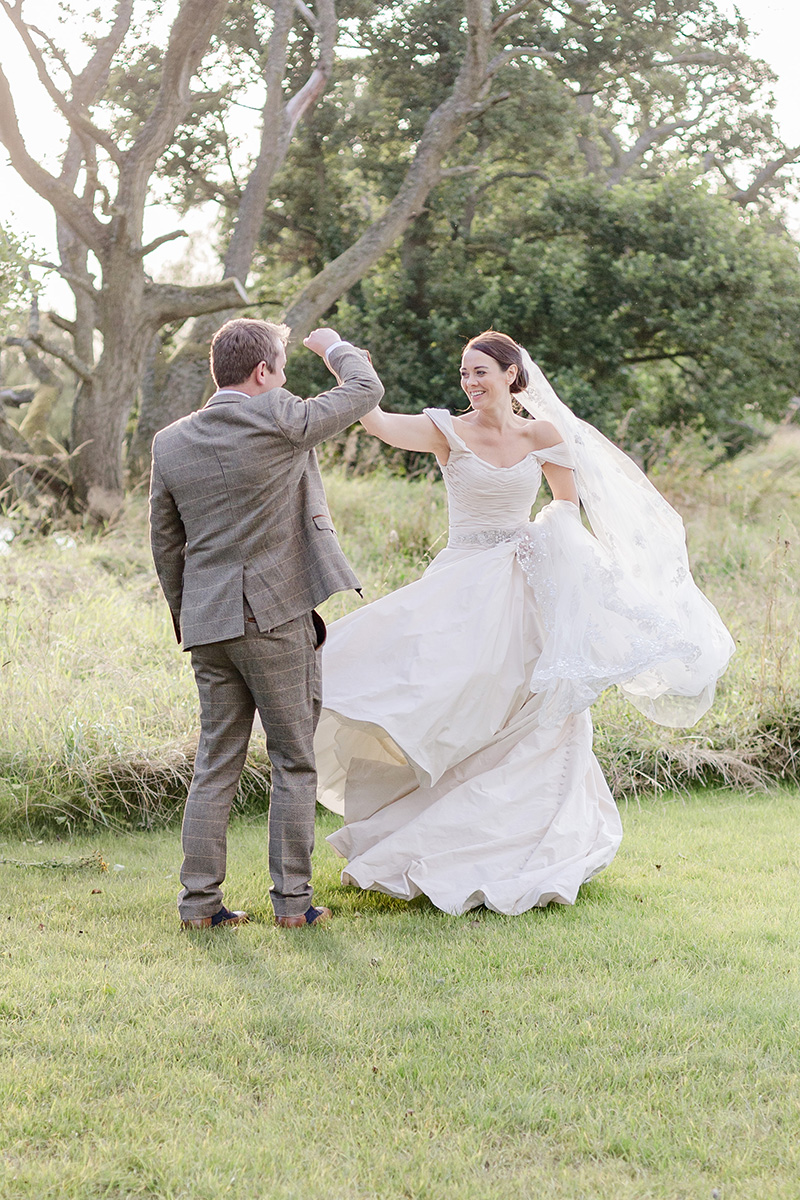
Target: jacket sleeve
column 307, row 422
column 168, row 544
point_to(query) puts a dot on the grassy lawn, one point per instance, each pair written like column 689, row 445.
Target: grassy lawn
column 643, row 1044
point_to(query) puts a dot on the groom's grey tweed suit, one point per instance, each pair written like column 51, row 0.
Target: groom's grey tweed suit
column 245, row 549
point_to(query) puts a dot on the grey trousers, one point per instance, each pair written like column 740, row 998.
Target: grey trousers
column 278, row 674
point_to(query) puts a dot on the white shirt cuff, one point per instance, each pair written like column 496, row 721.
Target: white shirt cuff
column 341, row 342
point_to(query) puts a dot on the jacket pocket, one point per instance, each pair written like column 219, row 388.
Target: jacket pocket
column 323, row 521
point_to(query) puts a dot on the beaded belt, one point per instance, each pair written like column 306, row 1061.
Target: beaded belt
column 482, row 537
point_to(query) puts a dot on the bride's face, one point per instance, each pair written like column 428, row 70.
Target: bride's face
column 484, row 380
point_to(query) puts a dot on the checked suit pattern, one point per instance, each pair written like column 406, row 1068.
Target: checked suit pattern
column 245, row 549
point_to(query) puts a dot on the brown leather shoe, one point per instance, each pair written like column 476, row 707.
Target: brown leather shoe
column 312, row 916
column 223, row 917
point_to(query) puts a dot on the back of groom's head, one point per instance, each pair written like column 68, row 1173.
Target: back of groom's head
column 240, row 345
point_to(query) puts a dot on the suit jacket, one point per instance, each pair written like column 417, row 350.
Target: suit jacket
column 237, row 506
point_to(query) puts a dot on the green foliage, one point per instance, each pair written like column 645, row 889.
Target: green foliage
column 654, row 304
column 15, row 283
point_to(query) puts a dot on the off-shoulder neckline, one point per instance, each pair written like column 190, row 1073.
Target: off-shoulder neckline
column 486, row 463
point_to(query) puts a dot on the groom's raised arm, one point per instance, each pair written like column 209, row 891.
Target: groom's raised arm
column 359, row 390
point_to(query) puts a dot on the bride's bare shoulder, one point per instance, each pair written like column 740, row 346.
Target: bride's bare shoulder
column 543, row 434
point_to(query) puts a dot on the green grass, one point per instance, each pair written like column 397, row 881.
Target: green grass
column 642, row 1045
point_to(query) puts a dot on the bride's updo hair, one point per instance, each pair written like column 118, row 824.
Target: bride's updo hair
column 503, row 350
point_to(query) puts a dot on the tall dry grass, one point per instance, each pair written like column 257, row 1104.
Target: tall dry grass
column 98, row 712
column 742, row 522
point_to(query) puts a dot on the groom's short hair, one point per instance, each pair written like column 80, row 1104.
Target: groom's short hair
column 240, row 345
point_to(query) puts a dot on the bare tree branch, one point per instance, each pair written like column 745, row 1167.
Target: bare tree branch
column 510, row 14
column 87, row 89
column 661, row 133
column 501, row 175
column 584, row 102
column 278, row 123
column 81, row 369
column 643, row 358
column 710, row 160
column 160, row 241
column 171, row 302
column 38, row 367
column 306, row 97
column 93, row 181
column 507, row 56
column 73, row 113
column 569, row 15
column 613, row 143
column 57, row 54
column 84, row 282
column 698, row 57
column 75, row 212
column 190, row 34
column 454, row 172
column 307, row 15
column 15, row 396
column 62, row 323
column 95, row 73
column 748, row 195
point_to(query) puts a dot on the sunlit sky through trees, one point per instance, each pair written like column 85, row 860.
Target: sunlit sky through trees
column 776, row 30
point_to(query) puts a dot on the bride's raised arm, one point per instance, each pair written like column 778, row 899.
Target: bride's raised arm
column 407, row 432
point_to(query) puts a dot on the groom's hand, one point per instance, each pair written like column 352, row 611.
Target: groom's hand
column 320, row 340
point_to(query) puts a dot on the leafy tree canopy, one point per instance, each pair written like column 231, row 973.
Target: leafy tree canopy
column 649, row 304
column 592, row 213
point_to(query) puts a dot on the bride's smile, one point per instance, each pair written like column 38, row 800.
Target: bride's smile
column 484, row 381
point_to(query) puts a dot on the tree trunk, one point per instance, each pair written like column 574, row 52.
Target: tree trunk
column 174, row 390
column 102, row 405
column 130, row 311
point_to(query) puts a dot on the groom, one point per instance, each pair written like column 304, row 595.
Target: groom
column 245, row 550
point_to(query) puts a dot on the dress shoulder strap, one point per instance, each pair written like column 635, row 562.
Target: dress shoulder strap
column 558, row 455
column 443, row 420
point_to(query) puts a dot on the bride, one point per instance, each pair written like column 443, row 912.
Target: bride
column 455, row 735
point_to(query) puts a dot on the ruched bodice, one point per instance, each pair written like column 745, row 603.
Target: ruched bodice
column 483, row 497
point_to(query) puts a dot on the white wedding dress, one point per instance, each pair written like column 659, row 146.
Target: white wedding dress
column 455, row 735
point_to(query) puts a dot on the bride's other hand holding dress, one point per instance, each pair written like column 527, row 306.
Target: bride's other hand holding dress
column 455, row 734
